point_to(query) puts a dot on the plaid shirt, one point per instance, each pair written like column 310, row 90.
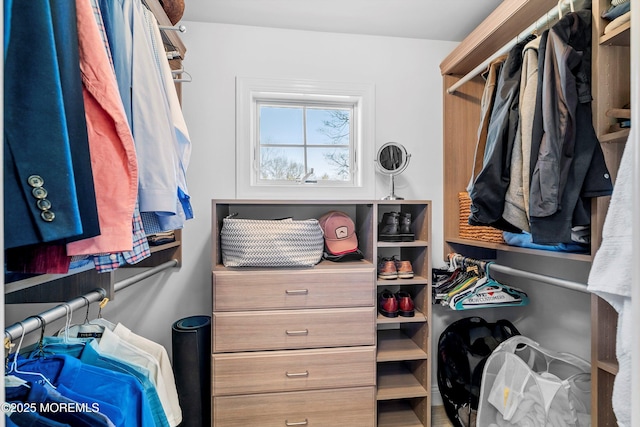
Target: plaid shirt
column 109, row 262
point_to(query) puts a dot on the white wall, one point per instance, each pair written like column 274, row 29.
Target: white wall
column 408, row 110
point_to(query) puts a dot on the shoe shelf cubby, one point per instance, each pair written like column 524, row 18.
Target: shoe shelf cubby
column 404, row 343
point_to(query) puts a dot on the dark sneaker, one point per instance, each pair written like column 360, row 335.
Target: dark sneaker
column 389, row 227
column 406, row 235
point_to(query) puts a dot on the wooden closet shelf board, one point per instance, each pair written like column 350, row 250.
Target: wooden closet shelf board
column 621, row 36
column 500, row 27
column 394, row 345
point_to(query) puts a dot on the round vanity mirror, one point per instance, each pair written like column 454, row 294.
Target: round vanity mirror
column 392, row 160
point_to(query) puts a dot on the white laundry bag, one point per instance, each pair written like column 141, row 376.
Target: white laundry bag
column 524, row 384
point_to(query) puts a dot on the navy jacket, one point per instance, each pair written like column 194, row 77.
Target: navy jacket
column 40, row 184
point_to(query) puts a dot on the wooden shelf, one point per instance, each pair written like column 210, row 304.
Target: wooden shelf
column 508, row 20
column 404, row 343
column 397, row 414
column 418, row 318
column 507, row 248
column 417, row 280
column 610, row 366
column 618, row 137
column 620, row 36
column 394, row 345
column 397, row 382
column 414, row 244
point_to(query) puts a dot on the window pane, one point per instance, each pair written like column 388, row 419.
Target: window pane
column 281, row 163
column 328, row 126
column 329, row 164
column 281, row 125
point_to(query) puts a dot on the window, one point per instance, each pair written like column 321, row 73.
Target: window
column 303, row 139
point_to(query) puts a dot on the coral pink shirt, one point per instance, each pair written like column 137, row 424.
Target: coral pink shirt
column 113, row 157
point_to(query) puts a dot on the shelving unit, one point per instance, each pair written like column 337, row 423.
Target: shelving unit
column 404, row 343
column 401, row 367
column 610, row 90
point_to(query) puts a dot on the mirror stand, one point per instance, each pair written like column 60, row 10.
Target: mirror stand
column 392, row 160
column 392, row 190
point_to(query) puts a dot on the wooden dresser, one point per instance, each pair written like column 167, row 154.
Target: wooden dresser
column 306, row 346
column 295, row 346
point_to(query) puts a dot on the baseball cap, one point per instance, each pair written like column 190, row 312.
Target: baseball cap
column 339, row 233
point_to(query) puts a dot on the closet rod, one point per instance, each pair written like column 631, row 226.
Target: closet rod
column 118, row 286
column 540, row 23
column 575, row 286
column 34, row 323
column 180, row 28
column 567, row 284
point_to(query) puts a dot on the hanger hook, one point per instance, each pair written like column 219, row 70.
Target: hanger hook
column 86, row 316
column 43, row 325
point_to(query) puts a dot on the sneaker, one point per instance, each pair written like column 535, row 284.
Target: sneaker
column 387, row 269
column 406, row 307
column 388, row 304
column 404, row 269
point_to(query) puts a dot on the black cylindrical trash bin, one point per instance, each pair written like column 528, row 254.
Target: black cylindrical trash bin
column 191, row 342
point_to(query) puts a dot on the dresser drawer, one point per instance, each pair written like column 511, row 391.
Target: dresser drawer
column 309, row 288
column 293, row 370
column 353, row 407
column 291, row 329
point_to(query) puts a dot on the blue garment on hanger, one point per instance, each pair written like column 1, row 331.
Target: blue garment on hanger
column 91, row 356
column 111, row 411
column 85, row 350
column 80, row 416
column 8, row 422
column 33, row 419
column 115, row 388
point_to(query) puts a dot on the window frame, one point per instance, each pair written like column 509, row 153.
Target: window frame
column 250, row 92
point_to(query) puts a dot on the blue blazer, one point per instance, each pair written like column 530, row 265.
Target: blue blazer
column 40, row 197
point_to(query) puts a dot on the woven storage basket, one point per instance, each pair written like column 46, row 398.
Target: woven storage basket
column 271, row 243
column 475, row 232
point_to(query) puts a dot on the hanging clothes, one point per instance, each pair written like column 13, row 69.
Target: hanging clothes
column 114, row 161
column 489, row 188
column 117, row 341
column 516, row 207
column 97, row 384
column 570, row 165
column 611, row 277
column 40, row 196
column 486, row 106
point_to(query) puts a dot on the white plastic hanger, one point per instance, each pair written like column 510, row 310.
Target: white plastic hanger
column 13, row 368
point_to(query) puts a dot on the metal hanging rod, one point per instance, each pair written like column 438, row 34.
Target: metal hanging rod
column 147, row 273
column 540, row 23
column 180, row 28
column 550, row 280
column 34, row 323
column 60, row 311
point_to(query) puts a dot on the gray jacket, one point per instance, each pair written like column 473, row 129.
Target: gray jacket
column 569, row 166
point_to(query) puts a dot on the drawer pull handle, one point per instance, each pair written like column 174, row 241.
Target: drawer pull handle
column 297, row 374
column 297, row 291
column 299, row 423
column 301, row 332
